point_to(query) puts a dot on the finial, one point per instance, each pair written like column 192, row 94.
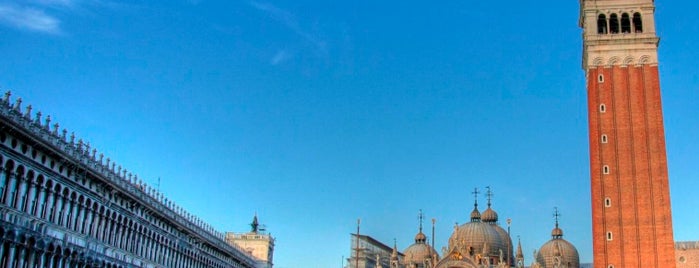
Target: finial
column 18, row 104
column 65, row 132
column 420, row 218
column 489, row 194
column 48, row 120
column 55, row 128
column 101, row 157
column 475, row 195
column 556, row 215
column 80, row 145
column 37, row 120
column 94, row 154
column 28, row 114
column 72, row 138
column 6, row 100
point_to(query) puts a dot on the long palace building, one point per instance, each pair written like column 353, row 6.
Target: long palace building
column 64, row 205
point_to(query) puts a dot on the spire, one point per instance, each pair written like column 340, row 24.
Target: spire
column 420, row 219
column 394, row 254
column 488, row 194
column 475, row 197
column 520, row 254
column 519, row 258
column 255, row 225
column 420, row 238
column 475, row 214
column 557, row 233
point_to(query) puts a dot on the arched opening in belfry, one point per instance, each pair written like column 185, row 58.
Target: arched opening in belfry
column 625, row 23
column 637, row 23
column 614, row 24
column 602, row 24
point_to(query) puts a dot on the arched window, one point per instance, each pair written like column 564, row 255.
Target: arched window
column 637, row 23
column 602, row 24
column 625, row 23
column 614, row 24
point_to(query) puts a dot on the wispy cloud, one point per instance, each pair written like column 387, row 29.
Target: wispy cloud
column 29, row 18
column 280, row 57
column 289, row 20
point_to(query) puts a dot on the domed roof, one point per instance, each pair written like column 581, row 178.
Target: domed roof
column 507, row 241
column 489, row 215
column 475, row 214
column 420, row 237
column 560, row 251
column 472, row 237
column 418, row 253
column 557, row 232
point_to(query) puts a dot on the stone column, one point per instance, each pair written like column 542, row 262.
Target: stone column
column 72, row 221
column 10, row 255
column 87, row 223
column 80, row 212
column 65, row 211
column 40, row 199
column 3, row 179
column 31, row 197
column 57, row 206
column 9, row 192
column 48, row 206
column 21, row 191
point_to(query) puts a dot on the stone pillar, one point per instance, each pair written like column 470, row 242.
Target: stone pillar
column 31, row 197
column 65, row 212
column 80, row 212
column 48, row 206
column 57, row 206
column 87, row 223
column 40, row 199
column 41, row 256
column 9, row 192
column 3, row 180
column 21, row 191
column 73, row 214
column 10, row 256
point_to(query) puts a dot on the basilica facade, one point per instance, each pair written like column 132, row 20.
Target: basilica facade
column 64, row 205
column 479, row 243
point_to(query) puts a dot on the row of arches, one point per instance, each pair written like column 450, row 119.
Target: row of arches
column 615, row 24
column 21, row 249
column 38, row 196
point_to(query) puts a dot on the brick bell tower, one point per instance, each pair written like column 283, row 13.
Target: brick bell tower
column 631, row 215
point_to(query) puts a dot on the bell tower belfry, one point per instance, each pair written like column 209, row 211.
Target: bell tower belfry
column 631, row 215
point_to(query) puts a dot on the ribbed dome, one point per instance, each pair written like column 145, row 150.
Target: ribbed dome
column 558, row 250
column 420, row 238
column 557, row 232
column 420, row 251
column 475, row 214
column 505, row 238
column 475, row 235
column 489, row 215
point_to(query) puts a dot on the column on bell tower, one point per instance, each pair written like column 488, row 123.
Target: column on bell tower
column 631, row 215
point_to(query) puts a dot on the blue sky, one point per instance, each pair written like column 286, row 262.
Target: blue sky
column 316, row 113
